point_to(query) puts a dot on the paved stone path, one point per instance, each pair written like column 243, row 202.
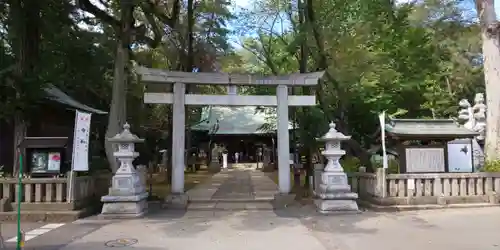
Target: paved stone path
column 238, row 185
column 235, row 185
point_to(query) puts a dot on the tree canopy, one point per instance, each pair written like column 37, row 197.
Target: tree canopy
column 414, row 59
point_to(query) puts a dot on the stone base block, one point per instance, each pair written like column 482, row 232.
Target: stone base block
column 268, row 167
column 283, row 200
column 214, row 167
column 441, row 200
column 126, row 183
column 176, row 201
column 116, row 207
column 493, row 198
column 333, row 182
column 336, row 206
column 6, row 205
column 337, row 196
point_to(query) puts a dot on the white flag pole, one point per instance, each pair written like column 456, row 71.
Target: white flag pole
column 71, row 180
column 381, row 118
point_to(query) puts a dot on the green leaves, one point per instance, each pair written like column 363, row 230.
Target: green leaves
column 413, row 60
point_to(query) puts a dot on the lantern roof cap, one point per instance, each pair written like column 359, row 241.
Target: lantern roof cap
column 125, row 136
column 334, row 135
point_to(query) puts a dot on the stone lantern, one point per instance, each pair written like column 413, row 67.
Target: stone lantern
column 127, row 196
column 334, row 193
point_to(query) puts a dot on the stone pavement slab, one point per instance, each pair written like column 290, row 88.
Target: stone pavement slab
column 234, row 185
column 205, row 190
column 234, row 189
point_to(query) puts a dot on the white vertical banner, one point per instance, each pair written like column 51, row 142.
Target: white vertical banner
column 381, row 118
column 81, row 137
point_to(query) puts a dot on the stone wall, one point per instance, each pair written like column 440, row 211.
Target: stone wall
column 52, row 194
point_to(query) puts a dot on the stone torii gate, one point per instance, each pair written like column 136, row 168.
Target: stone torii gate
column 157, row 93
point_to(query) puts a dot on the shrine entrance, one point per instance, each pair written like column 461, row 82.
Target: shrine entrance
column 169, row 87
column 247, row 146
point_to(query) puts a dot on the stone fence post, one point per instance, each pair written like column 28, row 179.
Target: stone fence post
column 381, row 183
column 142, row 171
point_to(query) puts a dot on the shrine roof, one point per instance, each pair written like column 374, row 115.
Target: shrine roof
column 235, row 120
column 428, row 128
column 55, row 94
column 220, row 78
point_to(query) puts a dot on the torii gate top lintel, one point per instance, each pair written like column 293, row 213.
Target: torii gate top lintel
column 179, row 99
column 213, row 78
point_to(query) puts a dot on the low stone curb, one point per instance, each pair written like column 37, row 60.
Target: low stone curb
column 399, row 208
column 45, row 216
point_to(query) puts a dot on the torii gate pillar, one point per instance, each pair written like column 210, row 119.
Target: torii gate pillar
column 179, row 138
column 283, row 140
column 179, row 98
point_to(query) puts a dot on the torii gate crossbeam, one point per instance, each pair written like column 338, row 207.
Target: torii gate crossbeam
column 178, row 98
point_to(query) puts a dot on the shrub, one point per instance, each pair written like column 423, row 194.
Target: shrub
column 392, row 168
column 491, row 166
column 350, row 164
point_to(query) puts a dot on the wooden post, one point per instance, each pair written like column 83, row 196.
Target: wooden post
column 71, row 186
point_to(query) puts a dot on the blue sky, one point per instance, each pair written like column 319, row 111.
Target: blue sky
column 241, row 3
column 246, row 3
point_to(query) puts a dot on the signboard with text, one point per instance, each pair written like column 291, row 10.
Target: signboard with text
column 80, row 159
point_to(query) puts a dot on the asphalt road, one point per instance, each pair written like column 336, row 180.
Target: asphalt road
column 47, row 236
column 9, row 231
column 458, row 229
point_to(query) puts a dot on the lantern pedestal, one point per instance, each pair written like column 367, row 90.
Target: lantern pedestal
column 127, row 196
column 214, row 167
column 333, row 194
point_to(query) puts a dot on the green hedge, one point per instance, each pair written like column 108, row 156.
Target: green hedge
column 351, row 164
column 491, row 166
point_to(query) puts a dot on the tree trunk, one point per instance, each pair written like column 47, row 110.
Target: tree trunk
column 304, row 56
column 19, row 135
column 24, row 30
column 491, row 54
column 188, row 67
column 170, row 149
column 118, row 108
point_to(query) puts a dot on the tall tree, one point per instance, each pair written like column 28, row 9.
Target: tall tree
column 126, row 33
column 490, row 33
column 24, row 88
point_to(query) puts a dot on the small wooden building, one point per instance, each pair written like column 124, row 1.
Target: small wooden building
column 422, row 144
column 56, row 118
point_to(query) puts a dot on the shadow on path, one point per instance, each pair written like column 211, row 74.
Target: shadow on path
column 191, row 223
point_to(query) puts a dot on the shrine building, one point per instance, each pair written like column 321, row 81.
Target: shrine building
column 245, row 130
